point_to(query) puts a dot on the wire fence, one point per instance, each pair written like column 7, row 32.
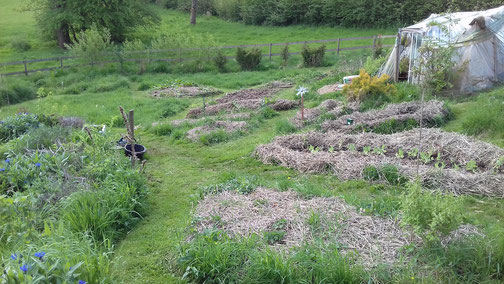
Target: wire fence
column 177, row 55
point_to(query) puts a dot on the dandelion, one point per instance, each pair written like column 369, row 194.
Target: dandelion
column 24, row 268
column 37, row 165
column 13, row 256
column 40, row 255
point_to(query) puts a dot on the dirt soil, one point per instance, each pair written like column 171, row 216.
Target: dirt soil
column 376, row 240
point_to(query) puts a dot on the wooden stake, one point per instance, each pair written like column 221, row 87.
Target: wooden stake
column 302, row 107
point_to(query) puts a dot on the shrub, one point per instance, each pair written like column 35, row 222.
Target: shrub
column 284, row 127
column 41, row 138
column 313, row 57
column 20, row 45
column 373, row 64
column 431, row 214
column 228, row 9
column 248, row 59
column 284, row 54
column 220, row 61
column 15, row 126
column 92, row 46
column 267, row 112
column 366, row 86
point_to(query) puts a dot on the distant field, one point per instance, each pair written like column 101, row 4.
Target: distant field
column 20, row 25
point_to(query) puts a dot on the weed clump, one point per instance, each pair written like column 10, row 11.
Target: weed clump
column 248, row 59
column 313, row 57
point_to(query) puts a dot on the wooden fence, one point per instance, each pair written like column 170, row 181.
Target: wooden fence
column 61, row 60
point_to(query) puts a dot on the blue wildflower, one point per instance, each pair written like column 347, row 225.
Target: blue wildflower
column 40, row 254
column 13, row 256
column 24, row 268
column 37, row 165
column 82, row 282
column 2, row 169
column 7, row 161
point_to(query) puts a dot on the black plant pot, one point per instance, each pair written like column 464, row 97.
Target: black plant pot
column 139, row 150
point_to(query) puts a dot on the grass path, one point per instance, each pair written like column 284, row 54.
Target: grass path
column 177, row 171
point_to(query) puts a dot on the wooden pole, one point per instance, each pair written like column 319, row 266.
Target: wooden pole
column 397, row 56
column 339, row 40
column 302, row 108
column 61, row 62
column 270, row 46
column 374, row 42
column 25, row 68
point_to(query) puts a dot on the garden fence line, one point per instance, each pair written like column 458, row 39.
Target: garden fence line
column 180, row 51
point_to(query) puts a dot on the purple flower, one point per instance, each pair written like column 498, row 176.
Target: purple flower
column 24, row 268
column 2, row 169
column 13, row 256
column 40, row 254
column 7, row 161
column 82, row 282
column 37, row 165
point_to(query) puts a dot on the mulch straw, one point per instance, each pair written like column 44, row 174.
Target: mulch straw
column 280, row 105
column 185, row 91
column 332, row 107
column 228, row 126
column 376, row 240
column 454, row 149
column 428, row 111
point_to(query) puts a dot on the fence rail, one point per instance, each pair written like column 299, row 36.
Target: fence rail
column 61, row 59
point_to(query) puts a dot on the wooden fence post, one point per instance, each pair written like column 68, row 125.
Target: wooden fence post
column 270, row 46
column 61, row 62
column 374, row 42
column 397, row 56
column 339, row 40
column 25, row 68
column 180, row 54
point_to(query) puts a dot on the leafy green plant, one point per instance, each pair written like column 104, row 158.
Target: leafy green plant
column 351, row 147
column 413, row 153
column 248, row 59
column 15, row 126
column 21, row 45
column 313, row 149
column 471, row 166
column 380, row 150
column 426, row 157
column 313, row 57
column 431, row 214
column 267, row 112
column 92, row 46
column 244, row 185
column 284, row 54
column 220, row 61
column 400, row 154
column 274, row 237
column 284, row 127
column 366, row 150
column 365, row 86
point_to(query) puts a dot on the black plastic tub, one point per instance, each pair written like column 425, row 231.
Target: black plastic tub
column 139, row 150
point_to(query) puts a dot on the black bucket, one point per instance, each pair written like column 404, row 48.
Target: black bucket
column 139, row 150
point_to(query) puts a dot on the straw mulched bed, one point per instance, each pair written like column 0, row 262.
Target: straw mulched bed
column 376, row 240
column 185, row 91
column 427, row 112
column 331, row 107
column 454, row 149
column 191, row 121
column 228, row 126
column 225, row 107
column 280, row 105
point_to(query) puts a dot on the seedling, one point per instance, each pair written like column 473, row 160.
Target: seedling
column 400, row 154
column 331, row 149
column 367, row 150
column 471, row 166
column 351, row 147
column 426, row 157
column 380, row 150
column 313, row 150
column 413, row 153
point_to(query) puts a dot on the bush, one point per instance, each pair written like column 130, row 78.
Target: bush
column 92, row 46
column 373, row 64
column 284, row 54
column 365, row 87
column 228, row 9
column 20, row 45
column 220, row 61
column 42, row 138
column 267, row 112
column 313, row 57
column 248, row 59
column 17, row 125
column 431, row 214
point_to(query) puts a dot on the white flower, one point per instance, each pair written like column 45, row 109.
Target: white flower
column 301, row 91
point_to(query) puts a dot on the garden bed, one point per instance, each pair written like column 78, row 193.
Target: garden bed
column 332, row 108
column 227, row 126
column 448, row 161
column 430, row 113
column 376, row 240
column 185, row 91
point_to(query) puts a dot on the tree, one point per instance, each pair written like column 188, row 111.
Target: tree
column 194, row 11
column 65, row 19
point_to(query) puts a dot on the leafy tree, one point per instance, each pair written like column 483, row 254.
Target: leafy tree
column 66, row 18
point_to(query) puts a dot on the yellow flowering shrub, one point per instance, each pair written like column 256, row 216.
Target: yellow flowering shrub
column 366, row 86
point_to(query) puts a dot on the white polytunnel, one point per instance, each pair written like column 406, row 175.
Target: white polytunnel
column 478, row 39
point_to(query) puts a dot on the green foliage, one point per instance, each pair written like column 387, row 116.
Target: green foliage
column 15, row 91
column 395, row 126
column 172, row 106
column 274, row 237
column 15, row 126
column 431, row 214
column 220, row 61
column 243, row 185
column 284, row 127
column 20, row 45
column 93, row 45
column 367, row 87
column 284, row 54
column 373, row 64
column 163, row 129
column 313, row 57
column 388, row 173
column 42, row 137
column 248, row 59
column 215, row 137
column 76, row 16
column 267, row 112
